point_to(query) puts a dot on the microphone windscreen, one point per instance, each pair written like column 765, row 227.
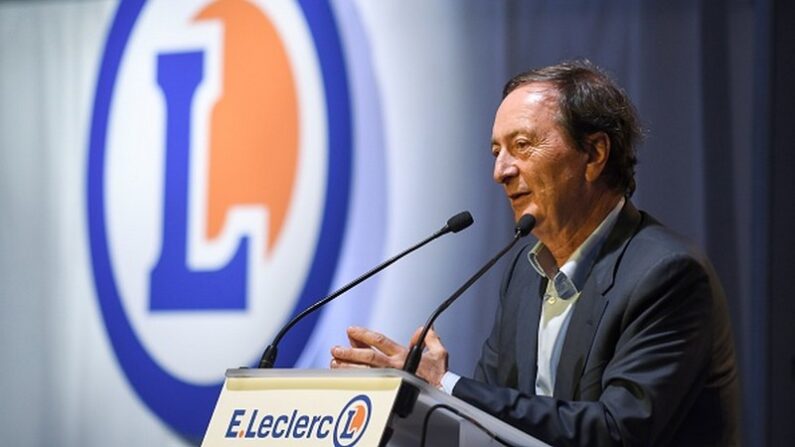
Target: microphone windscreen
column 525, row 225
column 460, row 221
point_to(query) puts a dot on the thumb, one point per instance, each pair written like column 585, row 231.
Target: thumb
column 433, row 342
column 416, row 336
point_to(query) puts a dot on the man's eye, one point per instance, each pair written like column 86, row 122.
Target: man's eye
column 522, row 146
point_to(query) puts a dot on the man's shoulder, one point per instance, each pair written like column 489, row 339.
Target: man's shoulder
column 655, row 241
column 656, row 250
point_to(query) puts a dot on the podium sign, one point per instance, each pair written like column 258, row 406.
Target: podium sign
column 307, row 410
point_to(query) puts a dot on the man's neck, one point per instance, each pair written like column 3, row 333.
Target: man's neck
column 563, row 244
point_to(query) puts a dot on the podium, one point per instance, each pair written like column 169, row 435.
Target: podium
column 345, row 408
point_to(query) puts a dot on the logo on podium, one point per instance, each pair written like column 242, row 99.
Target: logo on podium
column 257, row 423
column 352, row 421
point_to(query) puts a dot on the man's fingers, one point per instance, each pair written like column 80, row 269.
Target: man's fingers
column 432, row 339
column 433, row 342
column 361, row 337
column 339, row 364
column 356, row 343
column 354, row 332
column 361, row 356
column 416, row 336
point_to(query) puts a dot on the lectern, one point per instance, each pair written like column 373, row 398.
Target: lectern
column 345, row 408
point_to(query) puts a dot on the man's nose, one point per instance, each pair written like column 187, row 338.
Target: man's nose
column 504, row 167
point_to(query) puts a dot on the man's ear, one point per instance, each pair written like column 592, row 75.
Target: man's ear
column 597, row 145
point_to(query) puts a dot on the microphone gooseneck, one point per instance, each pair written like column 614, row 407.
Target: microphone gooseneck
column 523, row 227
column 455, row 224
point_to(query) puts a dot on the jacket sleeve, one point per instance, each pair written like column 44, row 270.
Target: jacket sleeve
column 659, row 365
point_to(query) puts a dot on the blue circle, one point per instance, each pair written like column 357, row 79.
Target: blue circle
column 366, row 400
column 187, row 407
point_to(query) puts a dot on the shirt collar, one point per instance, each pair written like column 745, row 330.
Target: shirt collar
column 569, row 280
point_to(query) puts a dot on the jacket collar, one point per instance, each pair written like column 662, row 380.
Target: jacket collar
column 569, row 280
column 604, row 270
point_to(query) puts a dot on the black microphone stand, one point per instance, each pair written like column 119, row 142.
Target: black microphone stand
column 523, row 227
column 454, row 224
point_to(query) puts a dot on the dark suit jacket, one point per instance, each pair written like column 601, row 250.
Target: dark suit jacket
column 648, row 358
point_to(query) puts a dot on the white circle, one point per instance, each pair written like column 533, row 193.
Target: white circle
column 198, row 346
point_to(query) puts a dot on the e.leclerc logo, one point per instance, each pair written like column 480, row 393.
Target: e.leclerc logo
column 348, row 427
column 218, row 187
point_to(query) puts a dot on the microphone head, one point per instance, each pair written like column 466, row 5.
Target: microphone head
column 525, row 225
column 459, row 221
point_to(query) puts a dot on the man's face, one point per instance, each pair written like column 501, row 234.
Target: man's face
column 536, row 161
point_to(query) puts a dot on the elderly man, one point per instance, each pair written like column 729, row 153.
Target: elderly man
column 611, row 330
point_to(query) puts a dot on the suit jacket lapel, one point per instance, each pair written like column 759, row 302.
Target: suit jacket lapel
column 527, row 329
column 579, row 336
column 592, row 303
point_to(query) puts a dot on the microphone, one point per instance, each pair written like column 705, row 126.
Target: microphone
column 455, row 224
column 523, row 227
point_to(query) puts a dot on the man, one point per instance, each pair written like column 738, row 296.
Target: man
column 611, row 330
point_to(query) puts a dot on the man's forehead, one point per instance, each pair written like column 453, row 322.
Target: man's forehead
column 526, row 103
column 533, row 93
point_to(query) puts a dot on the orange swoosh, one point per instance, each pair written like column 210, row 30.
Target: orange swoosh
column 254, row 125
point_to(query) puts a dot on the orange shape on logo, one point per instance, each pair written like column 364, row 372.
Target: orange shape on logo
column 254, row 125
column 358, row 419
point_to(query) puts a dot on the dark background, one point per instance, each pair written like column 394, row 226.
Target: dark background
column 713, row 83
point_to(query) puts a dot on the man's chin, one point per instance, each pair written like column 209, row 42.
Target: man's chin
column 517, row 214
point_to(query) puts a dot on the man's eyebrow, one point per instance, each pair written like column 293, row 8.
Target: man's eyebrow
column 513, row 134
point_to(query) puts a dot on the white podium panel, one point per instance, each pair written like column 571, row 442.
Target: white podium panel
column 310, row 409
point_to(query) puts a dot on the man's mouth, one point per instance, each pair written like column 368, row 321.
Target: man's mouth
column 517, row 195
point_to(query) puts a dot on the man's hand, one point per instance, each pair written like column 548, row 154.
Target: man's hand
column 370, row 349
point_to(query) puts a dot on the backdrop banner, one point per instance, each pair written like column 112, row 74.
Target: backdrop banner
column 181, row 178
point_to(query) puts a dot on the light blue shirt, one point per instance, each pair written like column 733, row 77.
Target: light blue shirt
column 563, row 291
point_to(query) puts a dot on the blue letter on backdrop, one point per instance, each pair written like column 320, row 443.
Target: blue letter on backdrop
column 173, row 285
